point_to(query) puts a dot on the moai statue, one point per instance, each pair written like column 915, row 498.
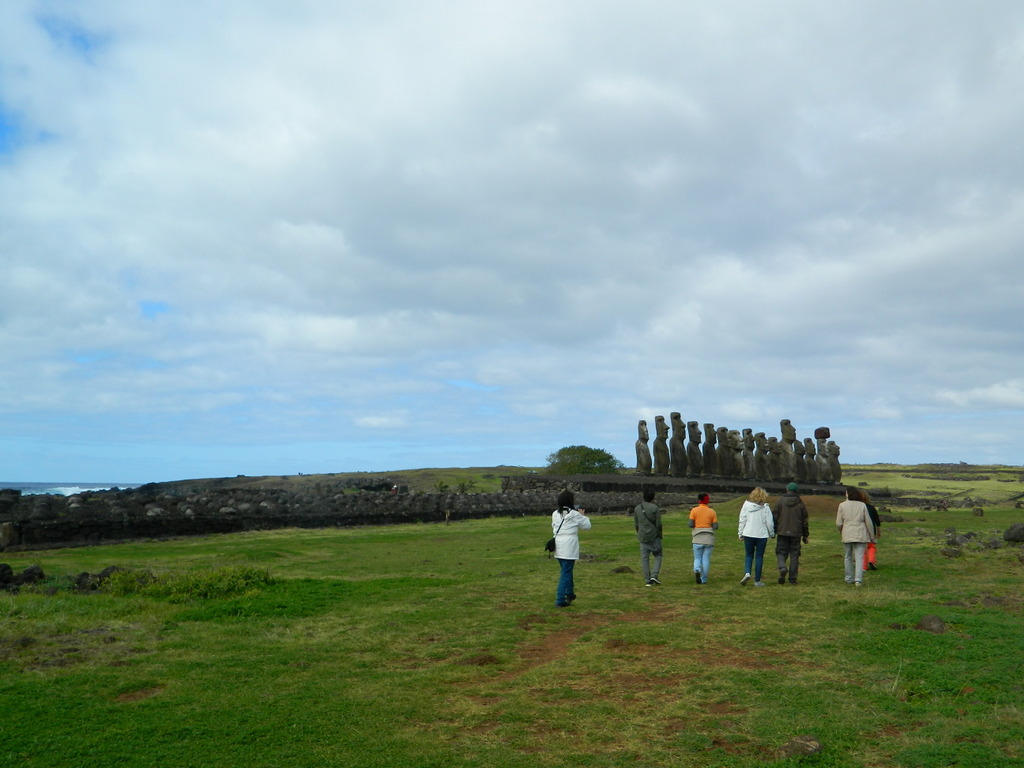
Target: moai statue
column 676, row 447
column 710, row 454
column 801, row 464
column 747, row 454
column 724, row 454
column 661, row 457
column 643, row 452
column 834, row 467
column 776, row 463
column 736, row 449
column 694, row 456
column 821, row 462
column 810, row 465
column 762, row 459
column 788, row 455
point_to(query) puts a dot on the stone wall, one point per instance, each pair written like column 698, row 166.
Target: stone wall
column 40, row 522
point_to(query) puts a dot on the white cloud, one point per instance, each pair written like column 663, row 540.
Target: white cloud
column 740, row 211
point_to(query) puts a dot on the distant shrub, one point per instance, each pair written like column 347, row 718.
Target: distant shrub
column 582, row 460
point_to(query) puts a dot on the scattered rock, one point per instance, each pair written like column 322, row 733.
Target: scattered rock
column 623, row 569
column 931, row 623
column 951, row 552
column 800, row 746
column 1014, row 533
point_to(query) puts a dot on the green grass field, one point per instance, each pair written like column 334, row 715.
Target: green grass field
column 439, row 645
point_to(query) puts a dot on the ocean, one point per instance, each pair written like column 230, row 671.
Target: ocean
column 60, row 489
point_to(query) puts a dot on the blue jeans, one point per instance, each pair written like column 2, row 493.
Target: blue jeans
column 566, row 588
column 702, row 560
column 854, row 561
column 755, row 555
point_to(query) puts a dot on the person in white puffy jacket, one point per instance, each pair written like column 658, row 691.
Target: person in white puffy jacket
column 566, row 524
column 756, row 527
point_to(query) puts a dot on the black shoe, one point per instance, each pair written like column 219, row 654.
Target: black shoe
column 782, row 575
column 654, row 580
column 696, row 575
column 872, row 567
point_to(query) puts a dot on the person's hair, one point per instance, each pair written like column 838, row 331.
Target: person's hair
column 648, row 494
column 703, row 499
column 758, row 495
column 566, row 499
column 865, row 497
column 854, row 494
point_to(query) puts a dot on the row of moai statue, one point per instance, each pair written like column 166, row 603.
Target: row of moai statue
column 730, row 453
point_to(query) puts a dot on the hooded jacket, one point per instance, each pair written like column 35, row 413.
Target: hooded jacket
column 790, row 516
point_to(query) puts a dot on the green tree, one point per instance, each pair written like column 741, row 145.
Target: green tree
column 581, row 460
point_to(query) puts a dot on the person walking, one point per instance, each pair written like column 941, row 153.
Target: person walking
column 566, row 523
column 647, row 521
column 855, row 527
column 704, row 523
column 791, row 528
column 755, row 528
column 871, row 552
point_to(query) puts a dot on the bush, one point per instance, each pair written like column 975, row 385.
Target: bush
column 581, row 460
column 192, row 585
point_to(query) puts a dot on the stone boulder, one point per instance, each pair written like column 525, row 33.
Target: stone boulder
column 1014, row 533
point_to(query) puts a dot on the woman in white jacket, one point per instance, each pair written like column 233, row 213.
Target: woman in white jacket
column 566, row 524
column 756, row 527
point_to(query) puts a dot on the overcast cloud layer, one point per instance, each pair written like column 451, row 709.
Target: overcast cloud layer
column 268, row 237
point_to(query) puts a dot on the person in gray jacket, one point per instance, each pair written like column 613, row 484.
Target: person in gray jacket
column 647, row 521
column 791, row 528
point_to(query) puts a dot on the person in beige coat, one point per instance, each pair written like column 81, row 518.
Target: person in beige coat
column 855, row 526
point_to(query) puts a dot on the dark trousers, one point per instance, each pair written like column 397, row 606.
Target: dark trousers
column 788, row 547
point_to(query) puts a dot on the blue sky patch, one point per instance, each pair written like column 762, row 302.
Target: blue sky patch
column 152, row 309
column 70, row 35
column 10, row 131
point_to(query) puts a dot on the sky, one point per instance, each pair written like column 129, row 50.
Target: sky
column 301, row 236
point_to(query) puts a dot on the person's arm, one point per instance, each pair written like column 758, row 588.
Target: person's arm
column 743, row 520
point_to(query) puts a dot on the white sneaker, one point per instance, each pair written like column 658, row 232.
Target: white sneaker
column 745, row 579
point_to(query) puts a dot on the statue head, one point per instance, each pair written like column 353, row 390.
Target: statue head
column 660, row 427
column 693, row 429
column 809, row 446
column 788, row 431
column 641, row 428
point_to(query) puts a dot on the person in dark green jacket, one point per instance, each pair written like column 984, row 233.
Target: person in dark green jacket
column 647, row 521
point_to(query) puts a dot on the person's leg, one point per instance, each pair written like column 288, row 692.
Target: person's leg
column 794, row 559
column 869, row 556
column 706, row 562
column 565, row 585
column 858, row 561
column 848, row 565
column 782, row 550
column 749, row 545
column 698, row 550
column 645, row 561
column 657, row 552
column 759, row 547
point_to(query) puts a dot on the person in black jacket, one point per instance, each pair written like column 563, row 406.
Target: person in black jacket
column 791, row 528
column 870, row 554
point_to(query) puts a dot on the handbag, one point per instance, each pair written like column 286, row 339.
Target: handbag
column 550, row 546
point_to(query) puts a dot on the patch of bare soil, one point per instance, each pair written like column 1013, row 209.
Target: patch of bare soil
column 144, row 693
